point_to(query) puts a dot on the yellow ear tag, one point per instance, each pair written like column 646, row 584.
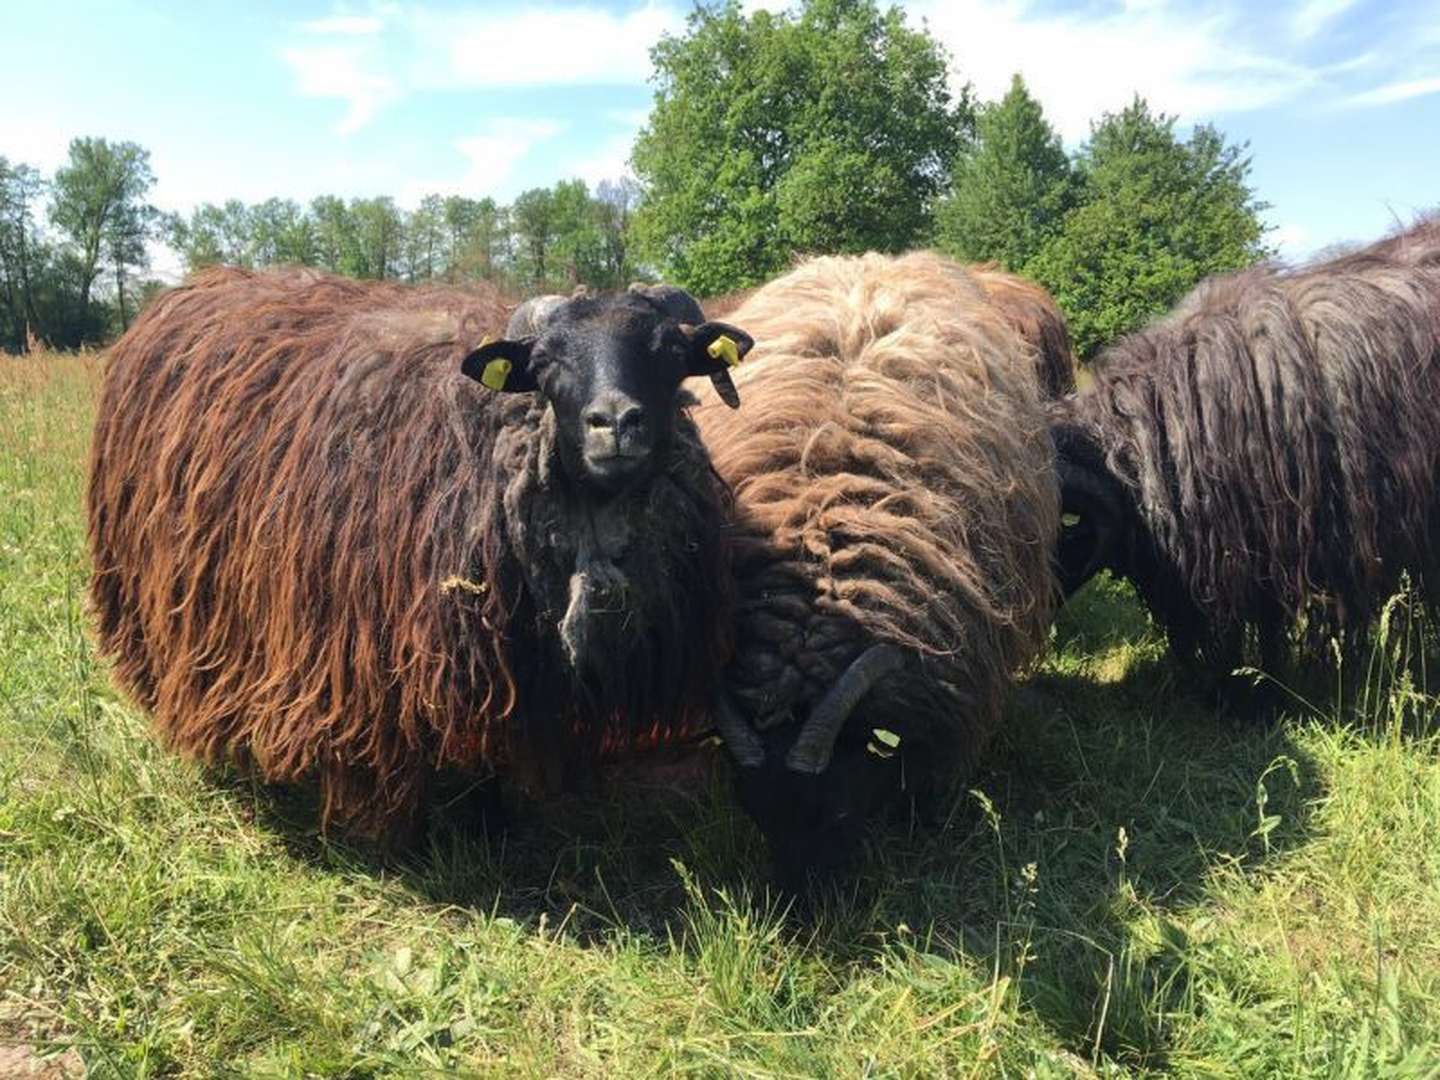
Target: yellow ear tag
column 724, row 348
column 496, row 374
column 884, row 743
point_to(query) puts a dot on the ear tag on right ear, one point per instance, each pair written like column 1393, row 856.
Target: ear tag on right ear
column 724, row 348
column 496, row 374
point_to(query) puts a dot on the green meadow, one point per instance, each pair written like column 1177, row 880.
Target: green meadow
column 1132, row 885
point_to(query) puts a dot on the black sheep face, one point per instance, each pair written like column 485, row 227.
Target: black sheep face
column 611, row 367
column 814, row 822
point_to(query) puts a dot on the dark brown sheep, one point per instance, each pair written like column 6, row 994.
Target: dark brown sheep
column 896, row 516
column 1263, row 460
column 322, row 552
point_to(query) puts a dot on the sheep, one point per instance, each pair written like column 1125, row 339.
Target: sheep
column 321, row 552
column 1261, row 463
column 1036, row 318
column 896, row 514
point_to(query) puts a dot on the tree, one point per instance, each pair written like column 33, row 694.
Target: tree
column 425, row 238
column 1155, row 217
column 827, row 129
column 614, row 207
column 1010, row 192
column 533, row 218
column 126, row 247
column 98, row 200
column 21, row 253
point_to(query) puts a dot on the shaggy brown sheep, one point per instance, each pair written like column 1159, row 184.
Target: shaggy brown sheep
column 322, row 552
column 1263, row 460
column 896, row 517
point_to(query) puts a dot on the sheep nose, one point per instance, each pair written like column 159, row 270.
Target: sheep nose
column 621, row 416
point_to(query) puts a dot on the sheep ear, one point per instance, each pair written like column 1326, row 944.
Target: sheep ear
column 715, row 348
column 502, row 365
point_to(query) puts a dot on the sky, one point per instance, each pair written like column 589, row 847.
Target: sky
column 1339, row 100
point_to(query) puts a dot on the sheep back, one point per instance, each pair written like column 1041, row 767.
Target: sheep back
column 894, row 482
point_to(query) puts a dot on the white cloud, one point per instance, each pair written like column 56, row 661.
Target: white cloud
column 1080, row 66
column 1292, row 241
column 544, row 46
column 1314, row 15
column 494, row 152
column 345, row 25
column 610, row 162
column 348, row 72
column 1391, row 93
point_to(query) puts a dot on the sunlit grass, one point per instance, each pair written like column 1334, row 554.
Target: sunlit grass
column 1131, row 885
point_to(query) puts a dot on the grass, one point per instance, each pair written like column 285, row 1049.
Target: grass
column 1133, row 886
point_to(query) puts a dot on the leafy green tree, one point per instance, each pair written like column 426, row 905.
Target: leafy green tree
column 534, row 220
column 22, row 254
column 425, row 238
column 334, row 232
column 98, row 200
column 1156, row 215
column 281, row 233
column 1010, row 192
column 828, row 128
column 378, row 237
column 613, row 209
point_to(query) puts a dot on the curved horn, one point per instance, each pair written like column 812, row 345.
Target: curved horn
column 740, row 738
column 673, row 301
column 816, row 742
column 530, row 317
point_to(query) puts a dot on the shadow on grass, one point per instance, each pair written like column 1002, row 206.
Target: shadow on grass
column 1109, row 799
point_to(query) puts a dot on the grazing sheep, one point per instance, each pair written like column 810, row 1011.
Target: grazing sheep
column 1263, row 460
column 896, row 512
column 322, row 552
column 1032, row 312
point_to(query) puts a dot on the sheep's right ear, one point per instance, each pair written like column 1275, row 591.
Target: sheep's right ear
column 502, row 365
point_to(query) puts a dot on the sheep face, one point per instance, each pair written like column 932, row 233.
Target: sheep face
column 611, row 369
column 814, row 822
column 1097, row 521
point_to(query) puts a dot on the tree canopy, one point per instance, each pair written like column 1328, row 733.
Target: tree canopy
column 829, row 129
column 1154, row 215
column 1010, row 192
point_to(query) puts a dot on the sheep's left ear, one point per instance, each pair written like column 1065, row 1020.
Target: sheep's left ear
column 715, row 348
column 502, row 365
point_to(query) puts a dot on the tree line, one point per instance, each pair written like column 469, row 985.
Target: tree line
column 829, row 128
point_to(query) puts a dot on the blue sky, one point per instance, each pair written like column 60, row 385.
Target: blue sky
column 1339, row 99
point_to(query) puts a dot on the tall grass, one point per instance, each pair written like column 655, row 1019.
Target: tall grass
column 1132, row 886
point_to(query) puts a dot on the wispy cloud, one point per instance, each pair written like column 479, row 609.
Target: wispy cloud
column 1391, row 93
column 1081, row 64
column 559, row 46
column 344, row 71
column 1315, row 15
column 495, row 151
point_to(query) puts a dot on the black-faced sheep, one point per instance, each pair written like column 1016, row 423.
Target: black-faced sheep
column 897, row 512
column 1263, row 460
column 322, row 552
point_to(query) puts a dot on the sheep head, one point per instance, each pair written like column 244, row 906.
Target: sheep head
column 610, row 367
column 812, row 792
column 1094, row 520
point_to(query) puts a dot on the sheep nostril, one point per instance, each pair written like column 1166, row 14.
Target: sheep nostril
column 596, row 419
column 630, row 419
